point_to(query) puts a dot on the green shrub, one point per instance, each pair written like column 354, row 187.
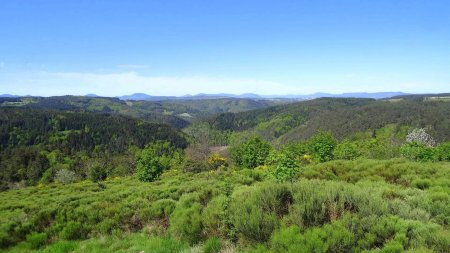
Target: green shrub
column 346, row 150
column 50, row 173
column 442, row 152
column 322, row 145
column 213, row 216
column 97, row 173
column 72, row 231
column 282, row 167
column 333, row 237
column 212, row 245
column 417, row 152
column 36, row 240
column 154, row 159
column 186, row 219
column 250, row 153
column 161, row 208
column 256, row 212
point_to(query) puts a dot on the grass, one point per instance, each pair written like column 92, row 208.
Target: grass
column 135, row 242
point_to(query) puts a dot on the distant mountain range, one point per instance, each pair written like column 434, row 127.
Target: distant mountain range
column 143, row 96
column 375, row 95
column 8, row 96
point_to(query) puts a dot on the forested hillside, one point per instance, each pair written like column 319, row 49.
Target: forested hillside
column 33, row 142
column 342, row 116
column 177, row 113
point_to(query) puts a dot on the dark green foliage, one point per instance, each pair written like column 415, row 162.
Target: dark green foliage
column 250, row 153
column 70, row 132
column 97, row 173
column 177, row 112
column 322, row 146
column 22, row 164
column 289, row 116
column 36, row 144
column 343, row 117
column 202, row 132
column 156, row 158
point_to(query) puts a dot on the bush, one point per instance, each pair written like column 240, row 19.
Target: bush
column 282, row 167
column 214, row 215
column 322, row 146
column 251, row 153
column 50, row 174
column 417, row 152
column 215, row 161
column 442, row 152
column 36, row 240
column 65, row 176
column 154, row 159
column 346, row 150
column 333, row 237
column 186, row 219
column 72, row 231
column 97, row 173
column 161, row 208
column 212, row 245
column 256, row 212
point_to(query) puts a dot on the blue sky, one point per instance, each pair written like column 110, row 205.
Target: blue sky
column 185, row 47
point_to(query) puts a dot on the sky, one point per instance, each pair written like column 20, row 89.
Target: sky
column 170, row 47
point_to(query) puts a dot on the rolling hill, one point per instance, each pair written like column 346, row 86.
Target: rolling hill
column 342, row 116
column 177, row 113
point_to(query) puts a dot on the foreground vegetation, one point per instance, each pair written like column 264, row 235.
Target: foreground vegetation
column 338, row 206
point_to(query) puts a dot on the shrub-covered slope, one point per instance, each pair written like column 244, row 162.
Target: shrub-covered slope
column 392, row 206
column 342, row 116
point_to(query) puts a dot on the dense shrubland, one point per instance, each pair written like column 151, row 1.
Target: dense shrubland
column 320, row 195
column 337, row 206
